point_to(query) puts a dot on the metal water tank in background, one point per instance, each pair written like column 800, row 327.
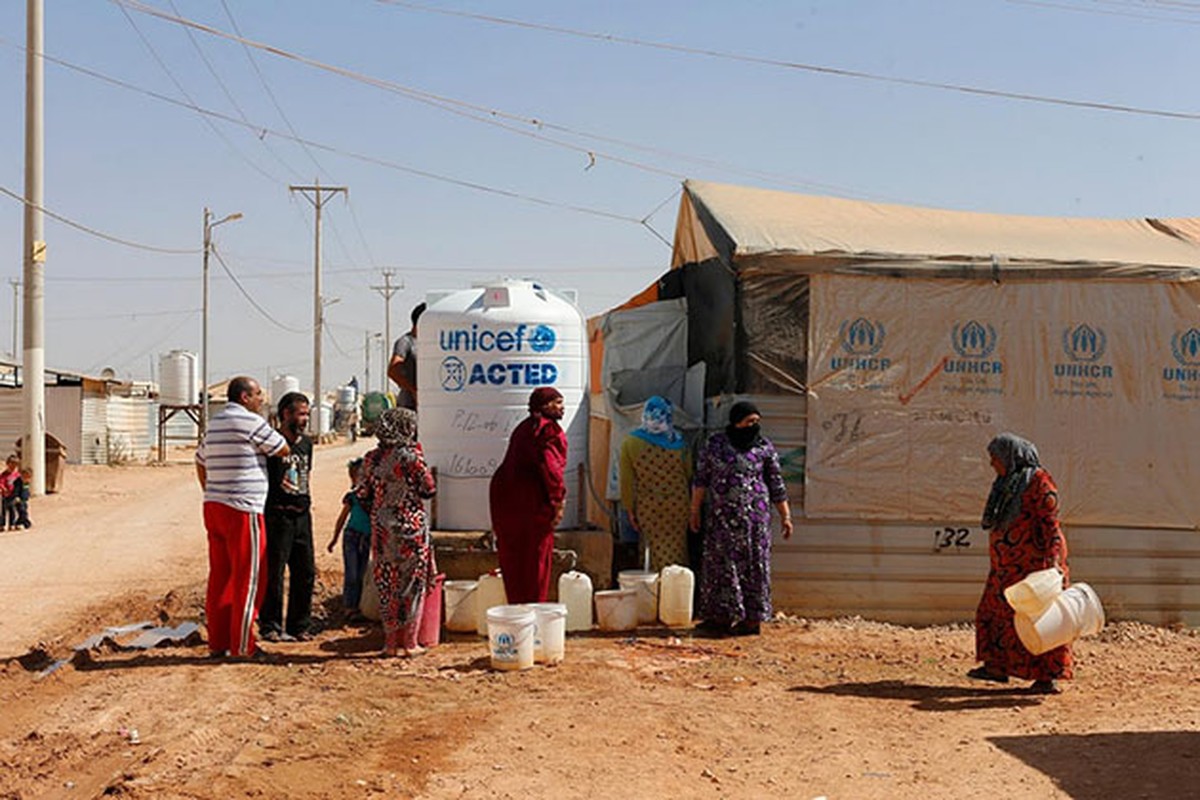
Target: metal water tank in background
column 480, row 354
column 347, row 395
column 281, row 385
column 179, row 383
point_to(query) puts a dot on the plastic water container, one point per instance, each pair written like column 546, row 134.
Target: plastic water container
column 617, row 609
column 460, row 605
column 489, row 593
column 1074, row 613
column 368, row 603
column 646, row 584
column 575, row 592
column 675, row 588
column 1032, row 595
column 510, row 636
column 430, row 632
column 550, row 632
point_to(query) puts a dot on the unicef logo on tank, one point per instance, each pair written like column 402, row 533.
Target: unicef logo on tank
column 862, row 340
column 513, row 339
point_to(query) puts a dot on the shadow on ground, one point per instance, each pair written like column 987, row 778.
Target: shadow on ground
column 1101, row 766
column 931, row 698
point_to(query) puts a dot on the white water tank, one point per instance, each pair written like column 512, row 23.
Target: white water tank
column 178, row 383
column 281, row 385
column 480, row 353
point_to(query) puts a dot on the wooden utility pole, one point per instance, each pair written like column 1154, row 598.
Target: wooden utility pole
column 387, row 290
column 318, row 195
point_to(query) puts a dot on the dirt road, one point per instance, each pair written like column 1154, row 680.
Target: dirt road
column 835, row 709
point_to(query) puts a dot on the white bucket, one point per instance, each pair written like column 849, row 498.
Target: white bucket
column 510, row 636
column 460, row 605
column 646, row 584
column 550, row 632
column 575, row 591
column 675, row 589
column 1074, row 613
column 488, row 594
column 1032, row 595
column 617, row 609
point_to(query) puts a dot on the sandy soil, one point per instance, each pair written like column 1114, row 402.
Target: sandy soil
column 840, row 708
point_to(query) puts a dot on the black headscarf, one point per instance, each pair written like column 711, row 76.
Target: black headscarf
column 743, row 438
column 1020, row 459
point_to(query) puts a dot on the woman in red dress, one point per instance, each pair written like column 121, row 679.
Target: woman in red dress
column 527, row 494
column 1022, row 518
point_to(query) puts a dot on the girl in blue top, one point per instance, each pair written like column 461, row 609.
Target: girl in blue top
column 355, row 523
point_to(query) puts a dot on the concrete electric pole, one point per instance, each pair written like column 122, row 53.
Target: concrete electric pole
column 318, row 195
column 33, row 429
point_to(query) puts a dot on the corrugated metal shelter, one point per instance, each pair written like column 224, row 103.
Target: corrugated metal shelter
column 98, row 420
column 887, row 344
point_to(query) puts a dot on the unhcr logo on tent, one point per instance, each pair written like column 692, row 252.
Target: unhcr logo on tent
column 1084, row 346
column 1185, row 347
column 973, row 341
column 861, row 340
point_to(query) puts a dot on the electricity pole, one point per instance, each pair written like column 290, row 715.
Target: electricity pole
column 33, row 429
column 319, row 196
column 208, row 226
column 387, row 290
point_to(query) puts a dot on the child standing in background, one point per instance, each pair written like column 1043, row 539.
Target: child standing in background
column 21, row 497
column 8, row 485
column 354, row 525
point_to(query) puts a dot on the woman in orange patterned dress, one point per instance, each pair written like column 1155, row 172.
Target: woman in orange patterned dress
column 656, row 475
column 1021, row 516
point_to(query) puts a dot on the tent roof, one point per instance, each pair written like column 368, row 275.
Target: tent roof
column 738, row 223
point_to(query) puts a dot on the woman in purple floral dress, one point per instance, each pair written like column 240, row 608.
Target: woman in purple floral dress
column 395, row 479
column 738, row 471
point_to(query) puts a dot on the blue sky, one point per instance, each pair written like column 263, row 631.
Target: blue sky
column 142, row 169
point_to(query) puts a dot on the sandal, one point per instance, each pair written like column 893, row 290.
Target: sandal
column 1044, row 687
column 982, row 674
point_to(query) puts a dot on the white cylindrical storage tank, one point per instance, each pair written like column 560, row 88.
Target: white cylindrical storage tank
column 325, row 418
column 480, row 353
column 281, row 385
column 347, row 395
column 178, row 383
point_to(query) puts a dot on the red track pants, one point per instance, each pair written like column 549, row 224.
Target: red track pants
column 237, row 577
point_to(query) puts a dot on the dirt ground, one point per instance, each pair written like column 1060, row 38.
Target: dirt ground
column 835, row 709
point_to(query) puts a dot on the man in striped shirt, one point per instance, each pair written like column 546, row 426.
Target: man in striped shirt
column 231, row 464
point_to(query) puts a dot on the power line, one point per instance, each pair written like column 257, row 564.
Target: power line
column 250, row 299
column 1112, row 12
column 380, row 162
column 819, row 69
column 225, row 90
column 93, row 232
column 212, row 126
column 267, row 87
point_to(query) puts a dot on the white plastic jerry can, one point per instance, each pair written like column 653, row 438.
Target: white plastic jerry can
column 575, row 592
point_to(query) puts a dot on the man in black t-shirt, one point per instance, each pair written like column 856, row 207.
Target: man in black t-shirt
column 289, row 529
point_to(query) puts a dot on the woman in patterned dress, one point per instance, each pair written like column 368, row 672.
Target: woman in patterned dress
column 395, row 481
column 738, row 471
column 1022, row 517
column 655, row 472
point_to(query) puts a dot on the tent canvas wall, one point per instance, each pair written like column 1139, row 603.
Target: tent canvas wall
column 902, row 339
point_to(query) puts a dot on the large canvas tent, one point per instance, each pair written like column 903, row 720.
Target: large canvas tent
column 890, row 343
